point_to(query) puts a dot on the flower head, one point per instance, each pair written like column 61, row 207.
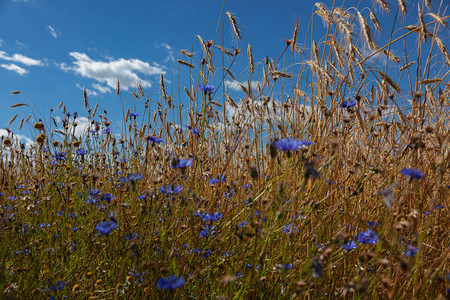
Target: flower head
column 171, row 189
column 181, row 163
column 171, row 283
column 154, row 139
column 205, row 88
column 290, row 144
column 82, row 152
column 131, row 177
column 211, row 217
column 106, row 228
column 348, row 104
column 61, row 156
column 411, row 251
column 350, row 245
column 412, row 173
column 367, row 237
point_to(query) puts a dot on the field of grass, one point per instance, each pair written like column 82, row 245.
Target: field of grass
column 326, row 175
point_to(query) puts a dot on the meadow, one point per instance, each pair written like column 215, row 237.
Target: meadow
column 322, row 173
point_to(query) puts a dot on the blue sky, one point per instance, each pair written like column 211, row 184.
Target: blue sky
column 50, row 50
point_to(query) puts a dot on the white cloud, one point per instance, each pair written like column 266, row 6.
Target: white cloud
column 107, row 72
column 14, row 68
column 18, row 138
column 1, row 42
column 22, row 59
column 20, row 44
column 236, row 85
column 170, row 51
column 52, row 32
column 102, row 89
column 83, row 125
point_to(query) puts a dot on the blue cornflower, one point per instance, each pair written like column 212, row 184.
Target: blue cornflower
column 132, row 177
column 205, row 88
column 194, row 130
column 290, row 144
column 82, row 152
column 106, row 228
column 246, row 185
column 61, row 156
column 171, row 283
column 411, row 251
column 213, row 181
column 412, row 173
column 350, row 245
column 107, row 130
column 208, row 217
column 182, row 163
column 367, row 237
column 58, row 286
column 108, row 197
column 348, row 104
column 208, row 230
column 135, row 115
column 171, row 189
column 154, row 139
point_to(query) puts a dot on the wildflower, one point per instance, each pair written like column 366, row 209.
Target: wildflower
column 205, row 88
column 135, row 115
column 76, row 288
column 38, row 126
column 310, row 171
column 350, row 245
column 60, row 156
column 58, row 286
column 208, row 217
column 107, row 130
column 290, row 144
column 108, row 197
column 154, row 139
column 348, row 104
column 6, row 142
column 412, row 173
column 82, row 152
column 106, row 228
column 213, row 181
column 171, row 283
column 411, row 251
column 131, row 177
column 40, row 138
column 246, row 185
column 367, row 237
column 208, row 230
column 194, row 130
column 182, row 163
column 171, row 189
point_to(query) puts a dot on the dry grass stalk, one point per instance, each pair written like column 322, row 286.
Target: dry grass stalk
column 226, row 51
column 323, row 12
column 140, row 89
column 187, row 53
column 314, row 52
column 185, row 63
column 391, row 56
column 438, row 19
column 294, row 37
column 422, row 29
column 13, row 119
column 443, row 49
column 163, row 88
column 86, row 103
column 319, row 70
column 367, row 32
column 188, row 93
column 430, row 81
column 375, row 22
column 342, row 13
column 233, row 23
column 118, row 87
column 280, row 74
column 389, row 81
column 407, row 65
column 402, row 6
column 19, row 104
column 229, row 73
column 428, row 3
column 384, row 5
column 95, row 110
column 250, row 59
column 231, row 102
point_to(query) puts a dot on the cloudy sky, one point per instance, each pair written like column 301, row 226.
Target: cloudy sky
column 51, row 50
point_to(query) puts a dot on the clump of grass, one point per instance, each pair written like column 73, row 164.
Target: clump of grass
column 328, row 177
